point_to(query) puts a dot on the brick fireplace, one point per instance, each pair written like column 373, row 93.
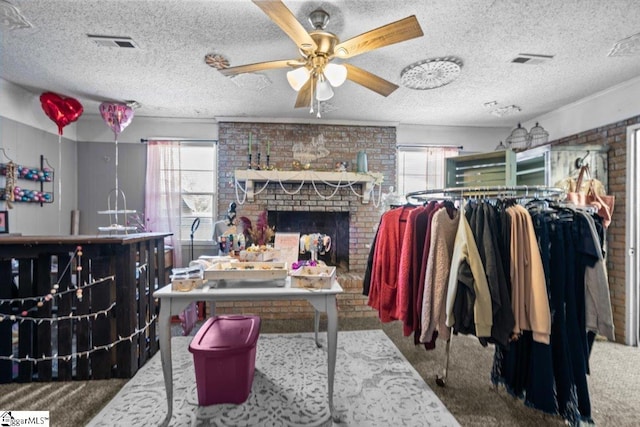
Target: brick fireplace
column 339, row 143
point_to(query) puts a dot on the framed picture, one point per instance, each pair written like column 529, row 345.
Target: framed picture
column 4, row 221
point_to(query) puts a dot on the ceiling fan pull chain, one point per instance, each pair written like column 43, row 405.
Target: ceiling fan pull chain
column 311, row 102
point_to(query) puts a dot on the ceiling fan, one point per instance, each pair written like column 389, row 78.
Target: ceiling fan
column 313, row 71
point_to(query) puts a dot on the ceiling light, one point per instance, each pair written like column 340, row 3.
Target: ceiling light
column 323, row 89
column 298, row 77
column 336, row 74
column 11, row 18
column 627, row 47
column 506, row 111
column 252, row 81
column 431, row 73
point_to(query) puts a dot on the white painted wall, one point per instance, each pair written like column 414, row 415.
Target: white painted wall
column 24, row 107
column 609, row 106
column 92, row 128
column 473, row 139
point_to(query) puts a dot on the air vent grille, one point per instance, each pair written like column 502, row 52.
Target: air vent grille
column 531, row 58
column 113, row 41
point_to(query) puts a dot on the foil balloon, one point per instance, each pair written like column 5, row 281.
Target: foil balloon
column 117, row 116
column 60, row 109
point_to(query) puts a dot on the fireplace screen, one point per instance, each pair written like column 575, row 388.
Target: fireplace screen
column 333, row 224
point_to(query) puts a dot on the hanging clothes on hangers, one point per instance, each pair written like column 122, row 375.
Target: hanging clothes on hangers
column 444, row 226
column 468, row 304
column 386, row 263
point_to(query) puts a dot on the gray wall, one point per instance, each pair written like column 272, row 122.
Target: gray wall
column 24, row 144
column 97, row 177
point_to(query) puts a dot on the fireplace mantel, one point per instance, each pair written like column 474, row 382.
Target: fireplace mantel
column 342, row 179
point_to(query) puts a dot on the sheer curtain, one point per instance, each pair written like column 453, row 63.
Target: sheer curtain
column 162, row 193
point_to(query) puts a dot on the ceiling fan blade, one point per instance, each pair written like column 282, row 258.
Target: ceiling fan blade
column 304, row 95
column 282, row 16
column 370, row 81
column 258, row 66
column 395, row 32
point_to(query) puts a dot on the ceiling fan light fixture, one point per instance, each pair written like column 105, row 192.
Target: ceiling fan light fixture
column 323, row 89
column 336, row 74
column 298, row 77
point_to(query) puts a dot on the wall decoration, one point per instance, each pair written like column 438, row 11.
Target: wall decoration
column 16, row 192
column 306, row 153
column 4, row 222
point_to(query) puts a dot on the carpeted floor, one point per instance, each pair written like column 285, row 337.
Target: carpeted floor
column 614, row 383
column 374, row 386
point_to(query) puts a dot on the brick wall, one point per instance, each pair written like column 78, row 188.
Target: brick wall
column 343, row 143
column 615, row 136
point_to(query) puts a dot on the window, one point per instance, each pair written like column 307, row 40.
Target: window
column 198, row 190
column 422, row 167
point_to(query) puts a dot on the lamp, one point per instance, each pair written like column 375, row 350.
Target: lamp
column 336, row 74
column 328, row 75
column 323, row 89
column 298, row 77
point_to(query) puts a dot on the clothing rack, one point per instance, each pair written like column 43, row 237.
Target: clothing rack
column 516, row 191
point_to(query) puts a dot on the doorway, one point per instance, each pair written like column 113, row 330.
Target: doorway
column 632, row 263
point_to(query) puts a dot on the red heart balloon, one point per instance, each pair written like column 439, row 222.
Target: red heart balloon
column 60, row 109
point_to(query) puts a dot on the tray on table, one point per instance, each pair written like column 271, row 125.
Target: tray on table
column 255, row 272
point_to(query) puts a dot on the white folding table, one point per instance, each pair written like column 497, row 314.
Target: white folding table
column 174, row 302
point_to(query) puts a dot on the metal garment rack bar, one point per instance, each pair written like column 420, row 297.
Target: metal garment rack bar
column 523, row 191
column 516, row 191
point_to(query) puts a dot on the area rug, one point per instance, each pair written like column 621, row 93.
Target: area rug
column 374, row 386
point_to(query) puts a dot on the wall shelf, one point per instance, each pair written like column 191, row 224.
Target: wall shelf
column 340, row 179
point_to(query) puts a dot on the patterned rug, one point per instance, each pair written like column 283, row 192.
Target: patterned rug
column 374, row 386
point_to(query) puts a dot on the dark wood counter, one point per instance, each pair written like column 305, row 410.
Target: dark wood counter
column 109, row 332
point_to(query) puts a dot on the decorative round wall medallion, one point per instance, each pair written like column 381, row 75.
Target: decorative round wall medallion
column 431, row 73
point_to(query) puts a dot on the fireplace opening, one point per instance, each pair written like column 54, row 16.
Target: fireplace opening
column 333, row 224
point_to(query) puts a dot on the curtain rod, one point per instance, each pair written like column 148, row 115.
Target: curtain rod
column 460, row 147
column 145, row 140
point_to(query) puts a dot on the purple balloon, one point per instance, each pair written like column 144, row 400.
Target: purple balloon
column 117, row 116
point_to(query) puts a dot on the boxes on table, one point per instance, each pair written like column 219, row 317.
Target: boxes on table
column 224, row 355
column 318, row 277
column 259, row 254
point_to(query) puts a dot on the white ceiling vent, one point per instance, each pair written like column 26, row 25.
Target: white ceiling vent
column 112, row 41
column 531, row 59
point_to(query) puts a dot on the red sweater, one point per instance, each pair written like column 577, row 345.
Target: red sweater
column 386, row 264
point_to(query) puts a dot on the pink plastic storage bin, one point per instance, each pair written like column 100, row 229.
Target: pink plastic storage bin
column 224, row 355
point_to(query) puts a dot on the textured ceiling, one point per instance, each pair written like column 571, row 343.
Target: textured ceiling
column 167, row 74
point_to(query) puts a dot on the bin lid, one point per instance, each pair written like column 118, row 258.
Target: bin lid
column 226, row 333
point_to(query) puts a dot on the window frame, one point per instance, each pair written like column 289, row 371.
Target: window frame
column 437, row 180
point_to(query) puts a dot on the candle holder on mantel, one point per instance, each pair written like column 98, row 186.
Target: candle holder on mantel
column 258, row 162
column 268, row 161
column 250, row 166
